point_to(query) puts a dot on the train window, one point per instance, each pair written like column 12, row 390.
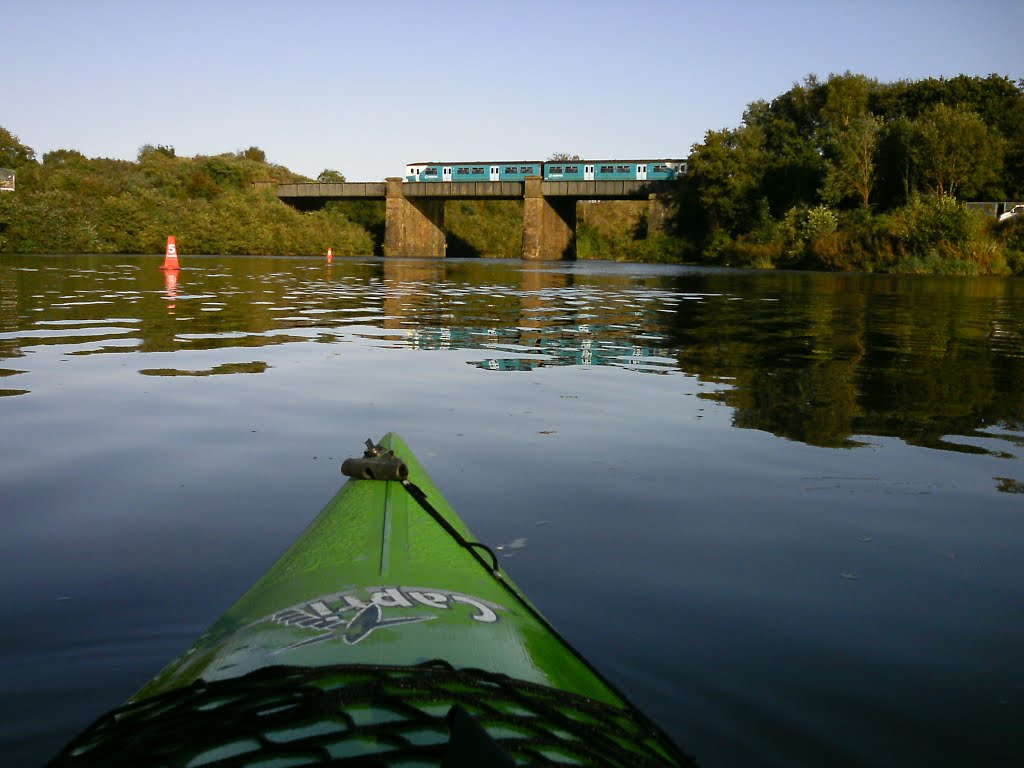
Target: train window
column 462, row 171
column 572, row 169
column 478, row 169
column 556, row 169
column 607, row 169
column 510, row 169
column 660, row 168
column 622, row 169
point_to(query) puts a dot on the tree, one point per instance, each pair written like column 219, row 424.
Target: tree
column 955, row 152
column 255, row 153
column 63, row 157
column 792, row 168
column 14, row 154
column 564, row 157
column 1013, row 132
column 851, row 167
column 725, row 172
column 330, row 176
column 847, row 97
column 148, row 150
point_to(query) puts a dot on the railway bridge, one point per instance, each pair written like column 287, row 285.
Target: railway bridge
column 414, row 211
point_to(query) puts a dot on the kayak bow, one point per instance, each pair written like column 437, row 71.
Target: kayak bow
column 384, row 635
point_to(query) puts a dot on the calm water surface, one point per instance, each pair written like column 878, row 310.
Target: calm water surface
column 783, row 512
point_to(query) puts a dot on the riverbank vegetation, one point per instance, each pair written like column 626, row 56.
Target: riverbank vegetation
column 68, row 203
column 842, row 174
column 853, row 174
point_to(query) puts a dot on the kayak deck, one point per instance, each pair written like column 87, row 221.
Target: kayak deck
column 376, row 579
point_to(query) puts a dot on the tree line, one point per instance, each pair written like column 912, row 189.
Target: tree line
column 842, row 174
column 851, row 173
column 69, row 203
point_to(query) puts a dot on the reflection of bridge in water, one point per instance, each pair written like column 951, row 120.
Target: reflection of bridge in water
column 414, row 211
column 551, row 326
column 587, row 346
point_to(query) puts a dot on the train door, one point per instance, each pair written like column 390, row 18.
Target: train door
column 495, row 172
column 588, row 173
column 641, row 171
column 446, row 173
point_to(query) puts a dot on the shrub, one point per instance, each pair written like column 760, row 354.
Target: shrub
column 1011, row 234
column 936, row 233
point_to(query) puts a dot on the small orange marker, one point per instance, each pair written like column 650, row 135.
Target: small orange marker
column 330, row 255
column 171, row 256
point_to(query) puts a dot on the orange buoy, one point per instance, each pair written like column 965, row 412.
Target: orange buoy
column 330, row 255
column 171, row 255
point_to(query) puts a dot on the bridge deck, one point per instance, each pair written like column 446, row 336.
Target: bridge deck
column 341, row 191
column 467, row 190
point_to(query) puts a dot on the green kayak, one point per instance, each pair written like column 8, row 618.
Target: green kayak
column 385, row 635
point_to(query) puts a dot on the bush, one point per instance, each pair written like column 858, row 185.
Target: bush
column 808, row 237
column 744, row 253
column 936, row 233
column 1011, row 234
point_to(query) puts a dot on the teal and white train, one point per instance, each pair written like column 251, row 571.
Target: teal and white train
column 562, row 170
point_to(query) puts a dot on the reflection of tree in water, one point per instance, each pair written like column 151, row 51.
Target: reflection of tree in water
column 1009, row 485
column 224, row 369
column 824, row 358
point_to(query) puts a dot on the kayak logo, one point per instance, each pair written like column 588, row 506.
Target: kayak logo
column 355, row 618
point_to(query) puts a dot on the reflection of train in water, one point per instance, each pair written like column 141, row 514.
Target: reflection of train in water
column 581, row 344
column 560, row 170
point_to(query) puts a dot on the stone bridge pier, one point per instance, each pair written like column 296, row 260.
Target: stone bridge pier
column 549, row 224
column 412, row 227
column 657, row 215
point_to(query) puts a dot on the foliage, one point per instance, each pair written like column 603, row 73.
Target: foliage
column 73, row 204
column 851, row 166
column 148, row 150
column 724, row 175
column 937, row 233
column 896, row 152
column 14, row 154
column 330, row 176
column 492, row 228
column 1011, row 234
column 255, row 154
column 955, row 151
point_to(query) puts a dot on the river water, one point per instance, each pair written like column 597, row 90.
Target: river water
column 784, row 512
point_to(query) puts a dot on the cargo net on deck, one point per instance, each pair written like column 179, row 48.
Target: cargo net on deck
column 428, row 714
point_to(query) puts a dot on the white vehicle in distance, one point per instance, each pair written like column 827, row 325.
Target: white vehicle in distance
column 1017, row 210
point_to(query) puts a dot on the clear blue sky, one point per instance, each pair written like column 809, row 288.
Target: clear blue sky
column 364, row 86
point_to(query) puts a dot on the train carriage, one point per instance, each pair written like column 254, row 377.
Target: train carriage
column 614, row 170
column 505, row 170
